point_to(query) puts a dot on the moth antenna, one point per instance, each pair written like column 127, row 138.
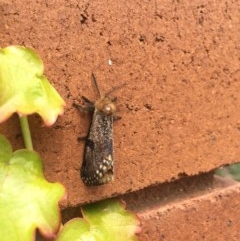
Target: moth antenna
column 114, row 89
column 95, row 84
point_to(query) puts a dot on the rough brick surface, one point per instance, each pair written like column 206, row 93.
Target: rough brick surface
column 206, row 210
column 194, row 209
column 180, row 107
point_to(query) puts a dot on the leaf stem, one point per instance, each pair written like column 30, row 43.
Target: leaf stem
column 26, row 132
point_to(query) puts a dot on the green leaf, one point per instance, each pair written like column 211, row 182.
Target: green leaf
column 23, row 87
column 27, row 200
column 103, row 221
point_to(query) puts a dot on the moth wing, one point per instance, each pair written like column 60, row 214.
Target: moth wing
column 97, row 167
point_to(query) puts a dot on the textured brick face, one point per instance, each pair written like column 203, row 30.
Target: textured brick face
column 180, row 107
column 211, row 215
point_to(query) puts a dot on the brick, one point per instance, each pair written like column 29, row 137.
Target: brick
column 180, row 107
column 199, row 208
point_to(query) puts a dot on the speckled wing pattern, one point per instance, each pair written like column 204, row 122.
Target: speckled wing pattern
column 97, row 166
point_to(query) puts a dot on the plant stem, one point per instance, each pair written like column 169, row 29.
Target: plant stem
column 26, row 132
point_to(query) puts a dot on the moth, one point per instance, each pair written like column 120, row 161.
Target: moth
column 98, row 160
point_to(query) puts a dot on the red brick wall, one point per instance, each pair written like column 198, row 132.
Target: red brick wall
column 180, row 107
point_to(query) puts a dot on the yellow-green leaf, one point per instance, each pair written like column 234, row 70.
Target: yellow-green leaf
column 107, row 220
column 27, row 200
column 24, row 88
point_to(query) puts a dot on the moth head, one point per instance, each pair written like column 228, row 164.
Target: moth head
column 106, row 105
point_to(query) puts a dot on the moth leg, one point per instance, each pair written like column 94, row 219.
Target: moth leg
column 80, row 108
column 86, row 100
column 82, row 138
column 116, row 117
column 88, row 107
column 114, row 99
